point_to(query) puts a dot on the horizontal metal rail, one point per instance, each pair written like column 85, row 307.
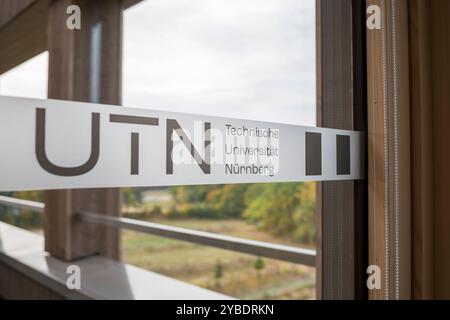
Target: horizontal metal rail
column 264, row 249
column 258, row 248
column 22, row 204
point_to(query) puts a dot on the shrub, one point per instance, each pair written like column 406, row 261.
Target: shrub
column 196, row 210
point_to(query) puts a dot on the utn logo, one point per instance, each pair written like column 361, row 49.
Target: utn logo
column 172, row 127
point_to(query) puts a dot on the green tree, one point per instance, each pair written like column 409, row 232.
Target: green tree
column 131, row 196
column 191, row 194
column 218, row 272
column 29, row 195
column 286, row 209
column 228, row 201
column 216, row 201
column 273, row 209
column 305, row 215
column 258, row 265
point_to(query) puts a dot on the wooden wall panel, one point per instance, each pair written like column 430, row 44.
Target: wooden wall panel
column 15, row 285
column 389, row 151
column 417, row 265
column 421, row 150
column 440, row 80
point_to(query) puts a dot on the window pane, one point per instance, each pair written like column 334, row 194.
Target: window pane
column 250, row 59
column 28, row 79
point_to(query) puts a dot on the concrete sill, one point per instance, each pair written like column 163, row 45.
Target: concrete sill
column 101, row 278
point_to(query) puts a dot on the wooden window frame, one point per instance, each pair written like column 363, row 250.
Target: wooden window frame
column 342, row 246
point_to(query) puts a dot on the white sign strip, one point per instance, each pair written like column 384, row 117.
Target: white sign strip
column 52, row 144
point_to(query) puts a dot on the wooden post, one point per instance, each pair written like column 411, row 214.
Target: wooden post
column 84, row 65
column 341, row 104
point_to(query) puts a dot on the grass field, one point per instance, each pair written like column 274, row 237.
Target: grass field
column 197, row 264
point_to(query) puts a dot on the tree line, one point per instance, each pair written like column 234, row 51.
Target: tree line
column 280, row 208
column 284, row 209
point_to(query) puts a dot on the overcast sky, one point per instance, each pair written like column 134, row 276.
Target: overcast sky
column 251, row 59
